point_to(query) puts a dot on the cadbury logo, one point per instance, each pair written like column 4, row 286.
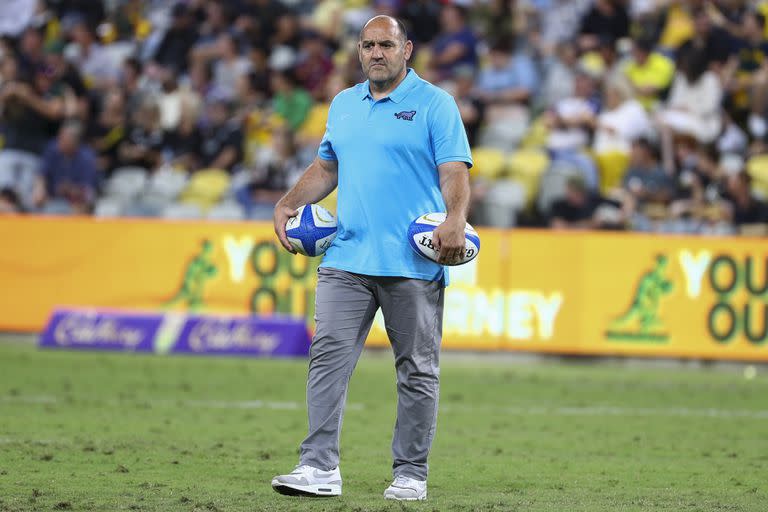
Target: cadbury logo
column 86, row 330
column 220, row 335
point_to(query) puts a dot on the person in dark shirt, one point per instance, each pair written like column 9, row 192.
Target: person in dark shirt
column 143, row 143
column 69, row 177
column 747, row 75
column 421, row 18
column 108, row 130
column 183, row 144
column 583, row 209
column 456, row 44
column 471, row 108
column 605, row 18
column 746, row 208
column 645, row 179
column 222, row 145
column 173, row 50
column 713, row 42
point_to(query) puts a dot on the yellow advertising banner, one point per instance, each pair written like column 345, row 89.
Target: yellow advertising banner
column 539, row 291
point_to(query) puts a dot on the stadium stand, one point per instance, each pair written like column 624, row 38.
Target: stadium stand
column 212, row 108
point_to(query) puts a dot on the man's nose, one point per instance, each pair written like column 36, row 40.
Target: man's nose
column 376, row 54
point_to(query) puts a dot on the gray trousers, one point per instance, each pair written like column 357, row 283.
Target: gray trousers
column 413, row 314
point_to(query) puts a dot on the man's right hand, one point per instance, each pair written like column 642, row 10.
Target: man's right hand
column 282, row 214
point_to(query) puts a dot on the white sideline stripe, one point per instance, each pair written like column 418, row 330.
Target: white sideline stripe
column 607, row 410
column 597, row 410
column 29, row 399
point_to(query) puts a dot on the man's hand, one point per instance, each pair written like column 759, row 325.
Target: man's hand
column 448, row 239
column 282, row 214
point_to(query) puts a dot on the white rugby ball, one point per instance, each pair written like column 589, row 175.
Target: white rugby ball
column 312, row 231
column 420, row 238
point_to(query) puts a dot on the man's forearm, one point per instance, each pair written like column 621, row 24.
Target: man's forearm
column 316, row 183
column 454, row 186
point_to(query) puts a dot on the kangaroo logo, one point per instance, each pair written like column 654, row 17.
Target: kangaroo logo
column 406, row 115
column 642, row 320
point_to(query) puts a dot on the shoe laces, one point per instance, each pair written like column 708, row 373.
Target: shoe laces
column 402, row 481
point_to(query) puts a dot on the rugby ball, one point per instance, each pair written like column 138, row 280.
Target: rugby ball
column 420, row 238
column 312, row 231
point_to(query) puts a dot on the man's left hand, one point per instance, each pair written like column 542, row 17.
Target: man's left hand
column 448, row 239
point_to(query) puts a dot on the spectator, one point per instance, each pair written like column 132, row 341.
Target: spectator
column 745, row 208
column 570, row 122
column 605, row 18
column 9, row 202
column 290, row 100
column 182, row 144
column 31, row 51
column 258, row 19
column 645, row 179
column 559, row 76
column 649, row 72
column 559, row 20
column 508, row 78
column 747, row 75
column 69, row 177
column 585, row 209
column 108, row 130
column 95, row 63
column 693, row 107
column 622, row 120
column 456, row 44
column 31, row 115
column 132, row 83
column 229, row 66
column 173, row 51
column 314, row 64
column 143, row 143
column 222, row 140
column 471, row 107
column 421, row 18
column 711, row 41
column 277, row 168
column 174, row 100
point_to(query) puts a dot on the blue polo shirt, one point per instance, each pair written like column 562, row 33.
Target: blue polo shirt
column 388, row 152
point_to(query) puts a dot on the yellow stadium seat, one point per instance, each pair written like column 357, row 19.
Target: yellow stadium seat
column 757, row 168
column 526, row 167
column 488, row 162
column 206, row 187
column 536, row 135
column 612, row 167
column 528, row 162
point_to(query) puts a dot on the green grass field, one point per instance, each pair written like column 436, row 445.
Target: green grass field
column 95, row 431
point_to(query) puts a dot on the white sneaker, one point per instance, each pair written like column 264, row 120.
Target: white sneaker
column 308, row 481
column 408, row 489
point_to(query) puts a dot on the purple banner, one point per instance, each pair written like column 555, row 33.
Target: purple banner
column 254, row 336
column 100, row 330
column 176, row 333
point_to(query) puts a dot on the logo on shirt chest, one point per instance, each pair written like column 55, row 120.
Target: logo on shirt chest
column 406, row 115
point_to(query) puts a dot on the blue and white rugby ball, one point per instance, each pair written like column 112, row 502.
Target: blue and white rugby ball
column 312, row 231
column 420, row 238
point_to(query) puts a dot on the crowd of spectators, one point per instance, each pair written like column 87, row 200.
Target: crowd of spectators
column 648, row 115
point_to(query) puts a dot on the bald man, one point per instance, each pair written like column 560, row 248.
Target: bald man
column 395, row 147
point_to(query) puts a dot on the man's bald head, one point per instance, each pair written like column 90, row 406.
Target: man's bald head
column 384, row 19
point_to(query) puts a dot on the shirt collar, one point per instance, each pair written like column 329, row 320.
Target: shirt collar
column 400, row 91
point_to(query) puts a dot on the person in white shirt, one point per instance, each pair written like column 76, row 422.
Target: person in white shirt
column 622, row 120
column 693, row 107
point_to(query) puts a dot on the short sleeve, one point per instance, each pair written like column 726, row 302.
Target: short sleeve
column 448, row 137
column 325, row 151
